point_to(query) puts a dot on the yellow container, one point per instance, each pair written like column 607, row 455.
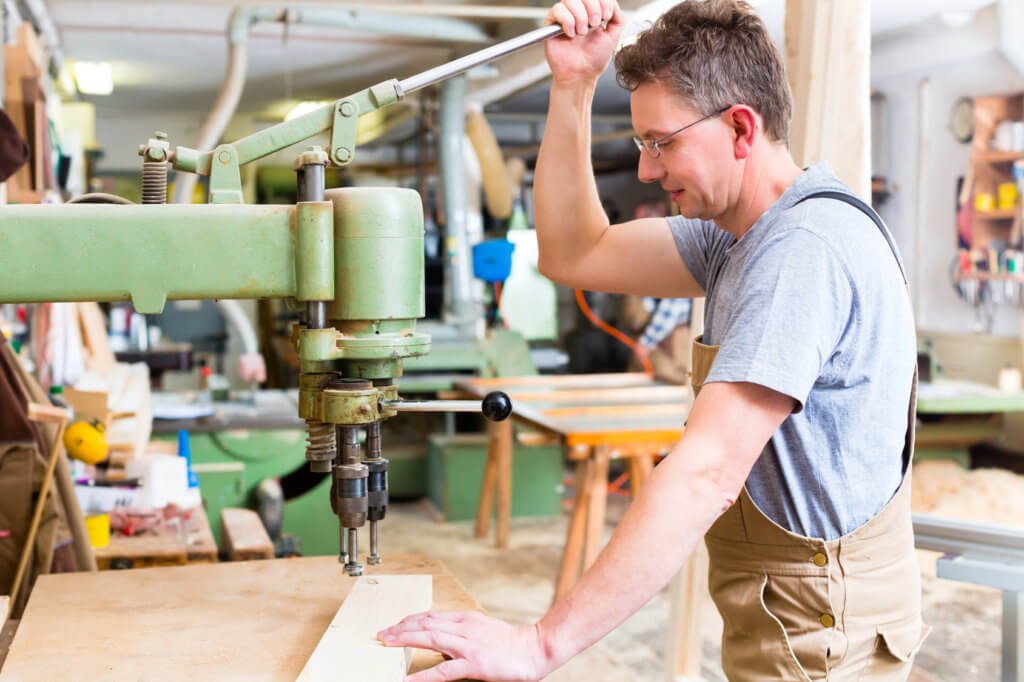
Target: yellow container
column 1007, row 193
column 984, row 201
column 98, row 527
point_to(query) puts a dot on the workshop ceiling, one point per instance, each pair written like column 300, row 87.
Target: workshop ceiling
column 171, row 55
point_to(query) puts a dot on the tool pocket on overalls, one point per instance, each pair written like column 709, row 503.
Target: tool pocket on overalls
column 896, row 644
column 772, row 605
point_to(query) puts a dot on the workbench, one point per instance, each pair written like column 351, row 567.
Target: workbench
column 596, row 417
column 195, row 544
column 253, row 621
column 977, row 409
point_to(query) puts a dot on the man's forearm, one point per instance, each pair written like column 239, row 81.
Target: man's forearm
column 662, row 527
column 567, row 208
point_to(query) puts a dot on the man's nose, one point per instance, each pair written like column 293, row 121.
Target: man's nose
column 649, row 169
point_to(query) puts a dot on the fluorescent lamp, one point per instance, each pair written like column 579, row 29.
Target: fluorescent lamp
column 93, row 78
column 304, row 108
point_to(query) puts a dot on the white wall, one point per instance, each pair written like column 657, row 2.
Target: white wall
column 954, row 62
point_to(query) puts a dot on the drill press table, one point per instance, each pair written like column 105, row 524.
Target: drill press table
column 256, row 620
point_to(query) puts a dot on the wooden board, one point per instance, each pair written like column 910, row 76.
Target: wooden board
column 350, row 644
column 594, row 409
column 257, row 621
column 244, row 536
column 98, row 356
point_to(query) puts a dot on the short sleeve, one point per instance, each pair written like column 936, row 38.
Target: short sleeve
column 792, row 305
column 694, row 240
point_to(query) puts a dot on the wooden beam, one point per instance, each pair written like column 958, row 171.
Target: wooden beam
column 571, row 555
column 350, row 650
column 244, row 536
column 501, row 433
column 597, row 499
column 828, row 57
column 50, row 414
column 689, row 588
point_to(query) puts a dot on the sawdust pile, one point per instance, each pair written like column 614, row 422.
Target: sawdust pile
column 944, row 489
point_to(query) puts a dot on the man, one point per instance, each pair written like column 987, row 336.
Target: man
column 794, row 453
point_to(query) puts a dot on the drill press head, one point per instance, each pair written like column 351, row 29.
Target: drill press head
column 348, row 366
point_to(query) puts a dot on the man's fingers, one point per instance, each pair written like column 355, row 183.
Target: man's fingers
column 456, row 669
column 616, row 17
column 445, row 642
column 580, row 15
column 563, row 17
column 416, row 621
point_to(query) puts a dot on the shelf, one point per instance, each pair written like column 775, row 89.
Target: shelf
column 999, row 157
column 997, row 214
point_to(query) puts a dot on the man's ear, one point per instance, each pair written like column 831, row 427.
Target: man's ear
column 744, row 122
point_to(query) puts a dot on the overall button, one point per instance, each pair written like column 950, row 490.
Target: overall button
column 827, row 620
column 820, row 559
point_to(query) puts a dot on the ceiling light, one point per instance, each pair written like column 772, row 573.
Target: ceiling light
column 304, row 107
column 93, row 78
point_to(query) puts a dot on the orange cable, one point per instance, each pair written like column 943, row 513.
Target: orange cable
column 610, row 330
column 497, row 304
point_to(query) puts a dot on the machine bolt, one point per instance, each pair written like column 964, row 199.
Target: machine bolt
column 347, row 109
column 224, row 157
column 342, row 155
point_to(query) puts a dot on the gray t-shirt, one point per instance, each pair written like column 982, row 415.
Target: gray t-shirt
column 811, row 302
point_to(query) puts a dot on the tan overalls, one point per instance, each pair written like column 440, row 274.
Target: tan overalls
column 799, row 608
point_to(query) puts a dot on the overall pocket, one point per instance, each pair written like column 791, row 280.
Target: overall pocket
column 896, row 644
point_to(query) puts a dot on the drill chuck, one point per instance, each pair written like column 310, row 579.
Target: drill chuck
column 349, row 494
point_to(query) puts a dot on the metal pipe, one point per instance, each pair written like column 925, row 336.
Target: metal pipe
column 220, row 115
column 939, row 534
column 484, row 56
column 459, row 307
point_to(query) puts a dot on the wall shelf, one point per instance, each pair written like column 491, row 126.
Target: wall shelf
column 999, row 157
column 997, row 214
column 990, row 276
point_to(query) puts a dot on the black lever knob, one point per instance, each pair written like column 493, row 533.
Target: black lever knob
column 496, row 406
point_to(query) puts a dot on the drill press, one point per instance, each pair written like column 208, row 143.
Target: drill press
column 350, row 259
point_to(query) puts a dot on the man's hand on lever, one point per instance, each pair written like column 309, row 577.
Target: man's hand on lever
column 583, row 53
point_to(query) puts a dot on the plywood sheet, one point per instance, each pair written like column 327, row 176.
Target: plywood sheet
column 257, row 621
column 350, row 643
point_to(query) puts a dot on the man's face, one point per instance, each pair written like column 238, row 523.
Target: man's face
column 693, row 165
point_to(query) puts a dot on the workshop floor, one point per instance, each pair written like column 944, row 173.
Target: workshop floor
column 517, row 584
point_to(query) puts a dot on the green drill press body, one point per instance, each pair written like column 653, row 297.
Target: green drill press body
column 360, row 250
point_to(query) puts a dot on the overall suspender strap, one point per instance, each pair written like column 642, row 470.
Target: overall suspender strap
column 866, row 209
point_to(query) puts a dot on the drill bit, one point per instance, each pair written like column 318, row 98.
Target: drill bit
column 353, row 567
column 373, row 558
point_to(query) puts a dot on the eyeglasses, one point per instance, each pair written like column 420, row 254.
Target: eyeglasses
column 653, row 146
